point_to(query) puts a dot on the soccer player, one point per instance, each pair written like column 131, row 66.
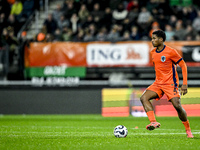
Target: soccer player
column 165, row 60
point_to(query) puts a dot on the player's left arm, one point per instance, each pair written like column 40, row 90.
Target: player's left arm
column 184, row 87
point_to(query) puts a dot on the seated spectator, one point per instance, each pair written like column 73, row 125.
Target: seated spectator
column 97, row 12
column 113, row 35
column 196, row 22
column 126, row 36
column 144, row 21
column 62, row 22
column 89, row 21
column 69, row 10
column 172, row 21
column 191, row 33
column 57, row 13
column 134, row 35
column 180, row 31
column 155, row 26
column 58, row 35
column 169, row 32
column 83, row 13
column 88, row 36
column 144, row 18
column 80, row 36
column 102, row 34
column 51, row 24
column 66, row 34
column 92, row 29
column 119, row 14
column 107, row 19
column 132, row 5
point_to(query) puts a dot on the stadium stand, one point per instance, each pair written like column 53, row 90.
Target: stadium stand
column 99, row 20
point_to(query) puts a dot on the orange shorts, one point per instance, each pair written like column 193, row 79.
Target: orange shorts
column 169, row 90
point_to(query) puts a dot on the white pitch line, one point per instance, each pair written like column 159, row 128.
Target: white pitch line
column 99, row 133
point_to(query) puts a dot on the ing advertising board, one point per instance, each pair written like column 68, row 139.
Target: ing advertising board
column 117, row 54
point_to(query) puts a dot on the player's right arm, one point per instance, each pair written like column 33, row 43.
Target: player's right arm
column 184, row 87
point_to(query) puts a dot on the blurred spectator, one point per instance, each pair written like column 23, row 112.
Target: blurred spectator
column 144, row 19
column 58, row 35
column 89, row 4
column 74, row 23
column 102, row 34
column 191, row 33
column 80, row 36
column 172, row 21
column 155, row 26
column 67, row 34
column 49, row 37
column 88, row 21
column 51, row 24
column 92, row 29
column 12, row 22
column 11, row 2
column 133, row 14
column 5, row 8
column 196, row 22
column 16, row 9
column 62, row 22
column 113, row 35
column 96, row 12
column 180, row 31
column 83, row 13
column 119, row 14
column 132, row 5
column 126, row 36
column 107, row 16
column 69, row 9
column 126, row 24
column 88, row 36
column 28, row 8
column 169, row 32
column 134, row 35
column 57, row 13
column 13, row 43
column 2, row 22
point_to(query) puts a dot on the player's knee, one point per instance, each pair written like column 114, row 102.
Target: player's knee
column 143, row 98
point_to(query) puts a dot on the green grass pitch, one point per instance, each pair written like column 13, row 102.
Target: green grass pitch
column 93, row 132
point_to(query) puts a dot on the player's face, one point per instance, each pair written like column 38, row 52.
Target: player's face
column 155, row 41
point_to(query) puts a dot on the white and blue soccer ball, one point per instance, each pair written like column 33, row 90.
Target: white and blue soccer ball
column 120, row 131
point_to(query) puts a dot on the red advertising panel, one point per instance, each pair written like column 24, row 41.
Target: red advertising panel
column 102, row 54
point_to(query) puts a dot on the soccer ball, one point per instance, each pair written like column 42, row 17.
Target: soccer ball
column 120, row 131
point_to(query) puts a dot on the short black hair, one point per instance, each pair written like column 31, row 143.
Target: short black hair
column 160, row 33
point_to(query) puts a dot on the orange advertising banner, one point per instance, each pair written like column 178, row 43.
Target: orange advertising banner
column 97, row 54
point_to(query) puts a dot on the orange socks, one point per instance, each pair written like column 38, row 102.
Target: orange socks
column 186, row 124
column 151, row 116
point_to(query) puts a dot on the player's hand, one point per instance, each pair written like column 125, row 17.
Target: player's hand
column 184, row 89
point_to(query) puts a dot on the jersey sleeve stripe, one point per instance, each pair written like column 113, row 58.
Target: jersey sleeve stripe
column 179, row 61
column 174, row 76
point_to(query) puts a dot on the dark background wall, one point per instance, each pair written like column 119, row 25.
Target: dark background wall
column 50, row 101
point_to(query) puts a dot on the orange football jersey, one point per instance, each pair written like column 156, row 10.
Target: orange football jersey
column 165, row 65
